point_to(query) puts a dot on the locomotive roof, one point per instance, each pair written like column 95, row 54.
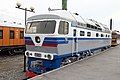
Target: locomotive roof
column 66, row 15
column 45, row 16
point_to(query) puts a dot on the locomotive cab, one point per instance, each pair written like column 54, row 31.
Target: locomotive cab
column 41, row 29
column 43, row 39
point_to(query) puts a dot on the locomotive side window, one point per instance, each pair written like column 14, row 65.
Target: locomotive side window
column 21, row 34
column 1, row 34
column 11, row 34
column 88, row 25
column 106, row 35
column 74, row 32
column 82, row 33
column 42, row 27
column 102, row 35
column 99, row 29
column 97, row 34
column 63, row 27
column 88, row 34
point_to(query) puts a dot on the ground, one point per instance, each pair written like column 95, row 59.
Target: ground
column 11, row 67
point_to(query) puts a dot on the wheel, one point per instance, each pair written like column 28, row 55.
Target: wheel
column 11, row 52
column 65, row 62
column 62, row 64
column 18, row 51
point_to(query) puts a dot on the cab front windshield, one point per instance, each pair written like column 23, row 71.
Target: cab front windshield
column 41, row 27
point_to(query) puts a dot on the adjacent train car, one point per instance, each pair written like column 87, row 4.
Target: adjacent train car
column 115, row 38
column 11, row 36
column 118, row 35
column 59, row 38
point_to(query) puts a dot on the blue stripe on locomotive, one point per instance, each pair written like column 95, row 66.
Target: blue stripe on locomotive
column 60, row 40
column 50, row 40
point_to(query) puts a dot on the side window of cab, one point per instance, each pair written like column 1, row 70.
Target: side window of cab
column 63, row 27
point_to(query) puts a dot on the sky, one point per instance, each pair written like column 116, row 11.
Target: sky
column 100, row 10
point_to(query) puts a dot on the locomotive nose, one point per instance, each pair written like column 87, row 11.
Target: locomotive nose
column 37, row 39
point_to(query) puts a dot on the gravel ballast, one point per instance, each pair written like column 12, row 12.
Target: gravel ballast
column 11, row 67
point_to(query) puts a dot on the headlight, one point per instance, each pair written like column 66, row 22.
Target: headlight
column 37, row 39
column 30, row 54
column 27, row 53
column 49, row 56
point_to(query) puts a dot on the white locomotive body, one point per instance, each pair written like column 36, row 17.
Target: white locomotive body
column 58, row 38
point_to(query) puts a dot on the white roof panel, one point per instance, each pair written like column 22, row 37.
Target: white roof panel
column 60, row 14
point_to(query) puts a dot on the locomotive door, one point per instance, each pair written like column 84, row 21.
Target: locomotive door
column 75, row 42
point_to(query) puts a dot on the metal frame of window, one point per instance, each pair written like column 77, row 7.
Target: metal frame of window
column 21, row 34
column 82, row 33
column 88, row 34
column 1, row 35
column 102, row 35
column 44, row 23
column 97, row 34
column 12, row 34
column 106, row 35
column 65, row 28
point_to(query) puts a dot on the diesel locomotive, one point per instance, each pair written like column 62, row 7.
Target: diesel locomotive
column 61, row 37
